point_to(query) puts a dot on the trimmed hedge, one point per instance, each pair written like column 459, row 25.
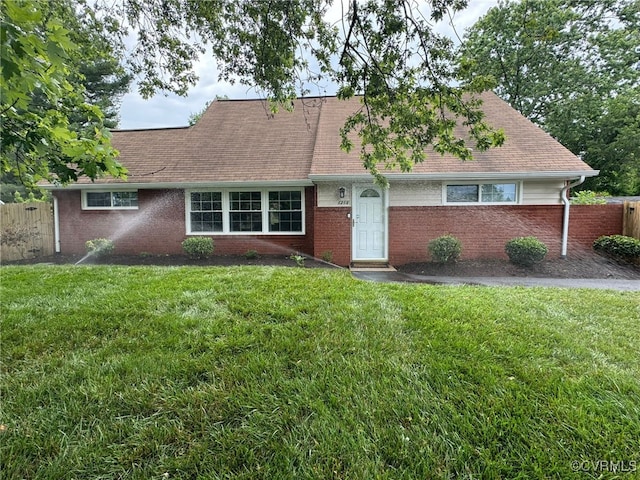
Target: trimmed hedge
column 100, row 247
column 526, row 251
column 445, row 249
column 198, row 247
column 619, row 246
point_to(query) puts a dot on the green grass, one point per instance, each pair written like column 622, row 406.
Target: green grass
column 276, row 373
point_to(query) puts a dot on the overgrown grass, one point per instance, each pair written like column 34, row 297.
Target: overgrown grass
column 275, row 373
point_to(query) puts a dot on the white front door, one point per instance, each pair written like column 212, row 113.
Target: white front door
column 369, row 223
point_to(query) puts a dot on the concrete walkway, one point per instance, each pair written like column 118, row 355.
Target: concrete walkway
column 599, row 283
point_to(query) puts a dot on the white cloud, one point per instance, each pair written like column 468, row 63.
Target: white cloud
column 173, row 111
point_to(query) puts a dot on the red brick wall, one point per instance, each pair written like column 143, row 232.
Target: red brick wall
column 483, row 230
column 588, row 222
column 333, row 232
column 158, row 227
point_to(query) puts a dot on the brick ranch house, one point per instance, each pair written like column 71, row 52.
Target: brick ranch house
column 281, row 184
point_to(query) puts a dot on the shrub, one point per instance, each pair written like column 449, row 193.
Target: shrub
column 619, row 246
column 198, row 247
column 445, row 249
column 299, row 259
column 327, row 256
column 100, row 247
column 587, row 197
column 525, row 251
column 251, row 254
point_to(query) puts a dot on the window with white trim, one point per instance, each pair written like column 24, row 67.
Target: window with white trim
column 206, row 211
column 109, row 200
column 492, row 193
column 266, row 211
column 245, row 211
column 285, row 211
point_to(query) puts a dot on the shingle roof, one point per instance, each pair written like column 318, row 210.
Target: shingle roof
column 527, row 148
column 234, row 141
column 240, row 141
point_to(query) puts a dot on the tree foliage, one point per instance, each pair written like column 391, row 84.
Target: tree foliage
column 195, row 117
column 573, row 67
column 97, row 61
column 42, row 96
column 388, row 52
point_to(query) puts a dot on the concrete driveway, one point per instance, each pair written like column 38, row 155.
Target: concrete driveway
column 599, row 283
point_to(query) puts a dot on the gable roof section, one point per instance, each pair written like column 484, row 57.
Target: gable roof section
column 527, row 151
column 234, row 141
column 239, row 141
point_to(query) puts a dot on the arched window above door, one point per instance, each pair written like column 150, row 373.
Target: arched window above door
column 369, row 192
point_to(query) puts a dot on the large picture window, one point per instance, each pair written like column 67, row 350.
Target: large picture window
column 482, row 193
column 110, row 200
column 245, row 211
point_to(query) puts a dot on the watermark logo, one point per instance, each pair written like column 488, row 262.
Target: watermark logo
column 597, row 466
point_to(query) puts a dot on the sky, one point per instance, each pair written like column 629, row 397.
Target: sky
column 170, row 110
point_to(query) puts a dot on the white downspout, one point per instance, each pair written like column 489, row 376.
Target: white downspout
column 56, row 224
column 565, row 220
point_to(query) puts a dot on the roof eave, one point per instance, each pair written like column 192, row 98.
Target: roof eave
column 180, row 185
column 565, row 175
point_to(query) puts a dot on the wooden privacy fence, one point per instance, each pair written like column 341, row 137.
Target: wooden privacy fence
column 26, row 230
column 631, row 219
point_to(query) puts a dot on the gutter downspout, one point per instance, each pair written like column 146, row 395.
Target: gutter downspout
column 565, row 220
column 56, row 224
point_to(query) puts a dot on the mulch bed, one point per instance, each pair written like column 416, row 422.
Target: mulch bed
column 586, row 266
column 175, row 260
column 589, row 266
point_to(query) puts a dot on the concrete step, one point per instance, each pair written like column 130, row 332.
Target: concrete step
column 371, row 267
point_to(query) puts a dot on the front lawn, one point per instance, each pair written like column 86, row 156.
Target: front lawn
column 275, row 373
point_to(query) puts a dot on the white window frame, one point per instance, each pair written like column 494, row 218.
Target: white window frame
column 86, row 206
column 264, row 205
column 190, row 201
column 517, row 183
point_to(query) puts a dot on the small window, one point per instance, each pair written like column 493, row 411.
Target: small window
column 462, row 193
column 482, row 193
column 111, row 200
column 499, row 192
